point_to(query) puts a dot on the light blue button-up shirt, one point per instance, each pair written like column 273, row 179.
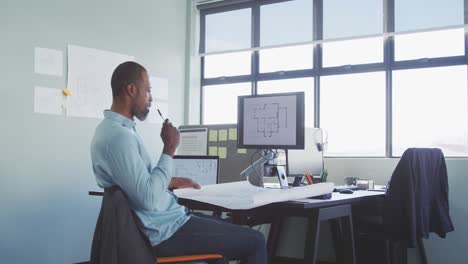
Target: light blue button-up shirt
column 119, row 158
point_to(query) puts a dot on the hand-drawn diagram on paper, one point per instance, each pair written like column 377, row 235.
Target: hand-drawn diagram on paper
column 89, row 80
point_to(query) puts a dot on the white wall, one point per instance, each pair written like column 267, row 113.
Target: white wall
column 46, row 214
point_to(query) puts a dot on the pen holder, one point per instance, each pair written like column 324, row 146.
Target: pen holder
column 324, row 176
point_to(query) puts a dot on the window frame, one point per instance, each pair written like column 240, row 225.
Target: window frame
column 388, row 65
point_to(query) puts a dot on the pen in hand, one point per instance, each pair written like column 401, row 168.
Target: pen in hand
column 161, row 115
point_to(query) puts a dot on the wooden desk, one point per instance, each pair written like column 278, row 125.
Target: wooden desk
column 337, row 210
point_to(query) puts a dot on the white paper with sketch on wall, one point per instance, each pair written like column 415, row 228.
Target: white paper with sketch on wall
column 48, row 100
column 48, row 61
column 89, row 80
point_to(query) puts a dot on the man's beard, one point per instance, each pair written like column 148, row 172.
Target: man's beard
column 141, row 115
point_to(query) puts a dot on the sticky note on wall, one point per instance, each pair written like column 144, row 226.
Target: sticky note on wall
column 213, row 151
column 222, row 152
column 222, row 135
column 213, row 136
column 233, row 134
column 242, row 151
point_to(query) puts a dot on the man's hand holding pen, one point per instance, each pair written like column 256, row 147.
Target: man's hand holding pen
column 171, row 137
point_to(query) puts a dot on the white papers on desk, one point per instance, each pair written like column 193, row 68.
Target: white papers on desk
column 336, row 196
column 243, row 195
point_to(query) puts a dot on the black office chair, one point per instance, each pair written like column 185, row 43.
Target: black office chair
column 415, row 204
column 118, row 239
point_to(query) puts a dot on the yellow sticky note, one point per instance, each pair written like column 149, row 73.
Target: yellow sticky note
column 242, row 151
column 213, row 151
column 66, row 92
column 233, row 134
column 222, row 152
column 213, row 135
column 222, row 136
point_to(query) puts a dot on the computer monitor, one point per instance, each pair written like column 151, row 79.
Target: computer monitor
column 202, row 169
column 271, row 121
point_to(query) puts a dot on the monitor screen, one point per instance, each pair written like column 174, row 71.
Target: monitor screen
column 271, row 121
column 202, row 169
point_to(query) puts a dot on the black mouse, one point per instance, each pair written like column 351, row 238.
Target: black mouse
column 347, row 191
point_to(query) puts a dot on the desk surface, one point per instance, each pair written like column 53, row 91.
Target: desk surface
column 337, row 199
column 301, row 204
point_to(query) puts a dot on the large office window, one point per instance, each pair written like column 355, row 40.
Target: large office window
column 229, row 64
column 430, row 109
column 221, row 102
column 228, row 30
column 353, row 52
column 435, row 44
column 293, row 85
column 352, row 18
column 286, row 58
column 422, row 14
column 379, row 75
column 277, row 26
column 355, row 124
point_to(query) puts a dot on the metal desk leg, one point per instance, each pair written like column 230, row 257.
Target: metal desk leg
column 343, row 238
column 312, row 238
column 342, row 229
column 348, row 239
column 273, row 237
column 337, row 237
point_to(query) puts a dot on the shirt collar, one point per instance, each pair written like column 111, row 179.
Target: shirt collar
column 119, row 118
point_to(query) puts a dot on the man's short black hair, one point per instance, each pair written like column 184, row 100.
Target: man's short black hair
column 126, row 73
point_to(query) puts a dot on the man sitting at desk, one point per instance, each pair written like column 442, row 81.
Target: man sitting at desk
column 119, row 158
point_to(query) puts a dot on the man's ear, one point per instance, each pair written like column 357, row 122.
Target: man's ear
column 131, row 90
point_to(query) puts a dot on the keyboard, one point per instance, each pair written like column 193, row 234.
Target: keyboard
column 346, row 187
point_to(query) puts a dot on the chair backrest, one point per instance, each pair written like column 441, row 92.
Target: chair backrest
column 417, row 197
column 117, row 237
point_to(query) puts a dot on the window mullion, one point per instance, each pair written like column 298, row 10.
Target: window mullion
column 255, row 43
column 317, row 35
column 389, row 60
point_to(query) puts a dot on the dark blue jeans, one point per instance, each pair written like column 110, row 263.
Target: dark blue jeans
column 208, row 235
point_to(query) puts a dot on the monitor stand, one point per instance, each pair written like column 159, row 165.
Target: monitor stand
column 282, row 177
column 257, row 179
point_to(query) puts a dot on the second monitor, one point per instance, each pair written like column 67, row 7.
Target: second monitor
column 268, row 122
column 271, row 121
column 202, row 169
